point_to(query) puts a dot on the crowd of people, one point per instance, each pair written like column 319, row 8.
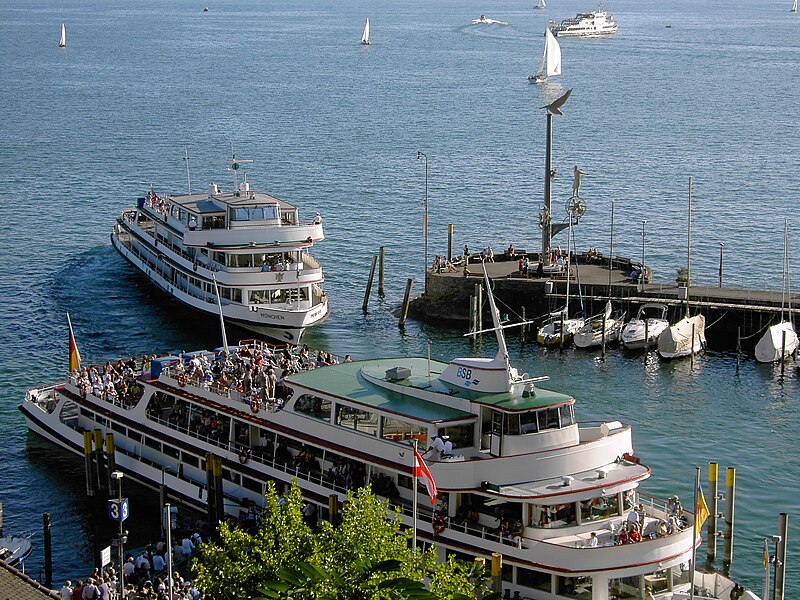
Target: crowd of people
column 114, row 382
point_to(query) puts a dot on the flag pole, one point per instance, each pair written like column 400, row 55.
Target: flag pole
column 766, row 569
column 694, row 532
column 415, row 494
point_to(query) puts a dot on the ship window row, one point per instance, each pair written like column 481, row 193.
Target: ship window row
column 269, row 212
column 534, row 421
column 199, row 422
column 281, row 296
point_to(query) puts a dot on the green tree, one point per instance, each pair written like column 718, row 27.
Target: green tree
column 366, row 558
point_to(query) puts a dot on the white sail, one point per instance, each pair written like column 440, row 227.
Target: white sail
column 365, row 35
column 794, row 6
column 62, row 42
column 550, row 64
column 543, row 5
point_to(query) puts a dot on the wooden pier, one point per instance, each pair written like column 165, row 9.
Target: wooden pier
column 731, row 313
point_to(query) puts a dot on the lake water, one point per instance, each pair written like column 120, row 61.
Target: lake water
column 334, row 126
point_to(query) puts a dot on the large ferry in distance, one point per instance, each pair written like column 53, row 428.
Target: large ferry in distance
column 517, row 473
column 597, row 23
column 250, row 246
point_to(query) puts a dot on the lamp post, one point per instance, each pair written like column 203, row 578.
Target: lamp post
column 118, row 475
column 545, row 216
column 425, row 217
column 721, row 246
column 644, row 235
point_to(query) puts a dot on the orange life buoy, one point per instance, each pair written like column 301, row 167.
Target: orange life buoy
column 182, row 379
column 255, row 405
column 438, row 524
column 244, row 455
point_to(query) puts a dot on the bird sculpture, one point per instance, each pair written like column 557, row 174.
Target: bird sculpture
column 554, row 108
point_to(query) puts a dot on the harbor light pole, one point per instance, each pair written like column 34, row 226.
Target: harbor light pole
column 425, row 217
column 721, row 246
column 644, row 235
column 545, row 216
column 118, row 475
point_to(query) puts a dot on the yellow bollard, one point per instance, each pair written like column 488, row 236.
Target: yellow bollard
column 497, row 571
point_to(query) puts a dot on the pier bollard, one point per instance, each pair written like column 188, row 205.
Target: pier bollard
column 210, row 494
column 381, row 254
column 713, row 506
column 333, row 509
column 219, row 500
column 111, row 462
column 603, row 338
column 369, row 283
column 406, row 299
column 727, row 535
column 497, row 571
column 48, row 551
column 780, row 556
column 450, row 241
column 100, row 466
column 87, row 461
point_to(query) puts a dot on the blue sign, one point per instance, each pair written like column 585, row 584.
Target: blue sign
column 118, row 510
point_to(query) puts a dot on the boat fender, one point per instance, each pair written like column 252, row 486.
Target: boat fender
column 255, row 405
column 438, row 524
column 182, row 379
column 244, row 456
column 194, row 266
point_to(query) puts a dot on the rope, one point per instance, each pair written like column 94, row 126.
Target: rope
column 718, row 320
column 759, row 332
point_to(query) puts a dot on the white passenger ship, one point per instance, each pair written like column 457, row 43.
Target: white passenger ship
column 253, row 244
column 524, row 479
column 597, row 23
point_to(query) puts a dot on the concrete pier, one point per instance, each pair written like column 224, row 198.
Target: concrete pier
column 726, row 309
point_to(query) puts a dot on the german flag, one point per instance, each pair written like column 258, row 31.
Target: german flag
column 74, row 353
column 700, row 512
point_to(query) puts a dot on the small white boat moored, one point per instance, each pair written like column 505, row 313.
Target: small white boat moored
column 686, row 337
column 14, row 549
column 593, row 333
column 643, row 330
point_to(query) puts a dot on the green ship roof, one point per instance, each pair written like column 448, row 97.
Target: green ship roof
column 346, row 381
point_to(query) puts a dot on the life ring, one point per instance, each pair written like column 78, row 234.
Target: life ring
column 438, row 524
column 255, row 405
column 244, row 455
column 182, row 379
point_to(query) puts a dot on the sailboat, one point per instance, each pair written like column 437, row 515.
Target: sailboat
column 643, row 330
column 687, row 336
column 542, row 5
column 600, row 329
column 365, row 35
column 780, row 341
column 794, row 7
column 62, row 42
column 559, row 329
column 550, row 64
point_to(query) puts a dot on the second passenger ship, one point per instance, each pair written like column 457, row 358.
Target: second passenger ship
column 558, row 498
column 241, row 252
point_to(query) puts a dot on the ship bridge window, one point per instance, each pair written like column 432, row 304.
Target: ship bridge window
column 548, row 418
column 239, row 214
column 461, row 436
column 528, row 423
column 397, row 430
column 354, row 418
column 314, row 406
column 598, row 509
column 567, row 415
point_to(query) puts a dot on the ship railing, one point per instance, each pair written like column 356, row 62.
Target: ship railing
column 220, row 442
column 43, row 396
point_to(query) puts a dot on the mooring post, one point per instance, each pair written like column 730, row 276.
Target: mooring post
column 472, row 328
column 210, row 508
column 561, row 336
column 646, row 337
column 98, row 452
column 406, row 299
column 450, row 242
column 333, row 509
column 380, row 271
column 780, row 556
column 369, row 283
column 727, row 535
column 111, row 463
column 603, row 338
column 738, row 347
column 691, row 350
column 87, row 462
column 48, row 551
column 497, row 571
column 713, row 507
column 783, row 352
column 478, row 307
column 522, row 327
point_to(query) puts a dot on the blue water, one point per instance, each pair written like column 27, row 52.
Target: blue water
column 335, row 127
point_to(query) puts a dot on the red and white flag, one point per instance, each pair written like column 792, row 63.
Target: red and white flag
column 421, row 471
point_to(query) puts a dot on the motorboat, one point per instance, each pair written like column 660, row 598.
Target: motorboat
column 604, row 328
column 559, row 328
column 334, row 427
column 550, row 65
column 780, row 341
column 248, row 251
column 484, row 20
column 14, row 549
column 686, row 337
column 598, row 23
column 643, row 330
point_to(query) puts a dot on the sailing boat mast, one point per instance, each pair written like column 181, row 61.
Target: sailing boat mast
column 689, row 250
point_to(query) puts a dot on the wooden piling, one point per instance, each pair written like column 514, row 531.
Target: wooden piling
column 211, row 508
column 88, row 463
column 783, row 353
column 603, row 338
column 727, row 534
column 713, row 508
column 561, row 337
column 472, row 321
column 333, row 509
column 691, row 350
column 450, row 242
column 404, row 309
column 48, row 551
column 523, row 327
column 100, row 471
column 646, row 338
column 479, row 307
column 497, row 571
column 738, row 347
column 369, row 284
column 380, row 271
column 111, row 463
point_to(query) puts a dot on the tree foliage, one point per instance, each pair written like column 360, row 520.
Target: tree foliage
column 367, row 557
